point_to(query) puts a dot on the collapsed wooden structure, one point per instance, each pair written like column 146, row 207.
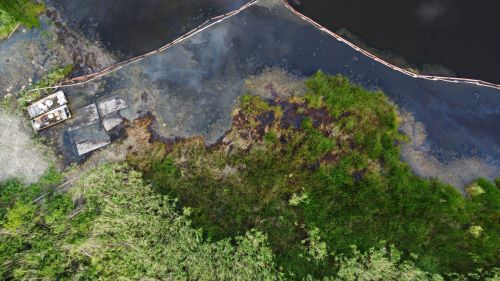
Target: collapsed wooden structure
column 49, row 111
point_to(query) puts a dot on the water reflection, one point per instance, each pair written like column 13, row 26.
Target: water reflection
column 192, row 87
column 131, row 27
column 461, row 35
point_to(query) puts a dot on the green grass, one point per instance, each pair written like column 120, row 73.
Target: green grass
column 38, row 90
column 14, row 192
column 51, row 79
column 14, row 12
column 338, row 176
column 112, row 225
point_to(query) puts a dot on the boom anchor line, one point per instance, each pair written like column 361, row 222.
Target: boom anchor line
column 81, row 80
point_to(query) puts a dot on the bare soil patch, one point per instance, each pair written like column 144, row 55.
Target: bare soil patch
column 21, row 157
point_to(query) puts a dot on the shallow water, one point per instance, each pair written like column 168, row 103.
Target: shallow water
column 459, row 34
column 131, row 28
column 31, row 53
column 192, row 87
column 27, row 55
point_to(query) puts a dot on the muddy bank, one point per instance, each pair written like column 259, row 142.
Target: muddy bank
column 458, row 171
column 27, row 55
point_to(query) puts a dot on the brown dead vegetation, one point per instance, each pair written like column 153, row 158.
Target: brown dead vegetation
column 142, row 149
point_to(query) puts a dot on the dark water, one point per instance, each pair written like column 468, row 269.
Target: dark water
column 131, row 27
column 462, row 35
column 193, row 86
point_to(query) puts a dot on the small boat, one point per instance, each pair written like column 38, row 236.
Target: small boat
column 51, row 118
column 47, row 104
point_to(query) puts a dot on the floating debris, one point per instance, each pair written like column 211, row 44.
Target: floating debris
column 87, row 132
column 85, row 116
column 87, row 146
column 111, row 106
column 111, row 121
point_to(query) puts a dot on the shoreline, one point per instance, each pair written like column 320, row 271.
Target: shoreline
column 80, row 80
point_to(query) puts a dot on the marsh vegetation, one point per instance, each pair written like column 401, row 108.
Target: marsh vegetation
column 320, row 173
column 304, row 187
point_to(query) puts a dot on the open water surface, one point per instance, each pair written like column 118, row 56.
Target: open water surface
column 462, row 35
column 192, row 87
column 131, row 28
